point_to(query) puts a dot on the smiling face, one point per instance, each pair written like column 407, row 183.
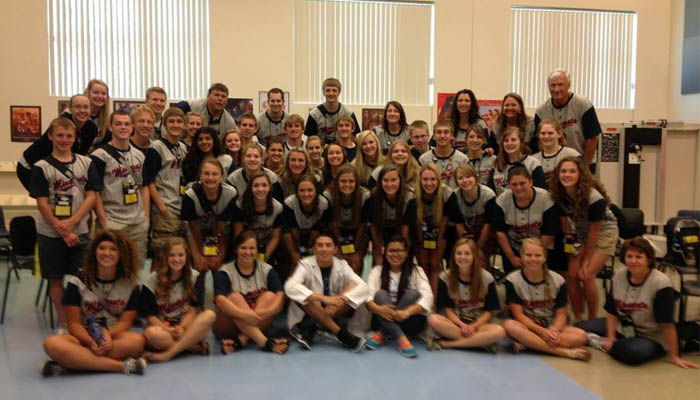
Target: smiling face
column 391, row 182
column 143, row 124
column 511, row 108
column 177, row 258
column 156, row 101
column 331, row 94
column 174, row 126
column 210, row 175
column 637, row 263
column 420, row 138
column 464, row 103
column 260, row 187
column 233, row 142
column 520, row 186
column 429, row 182
column 344, row 129
column 306, row 191
column 252, row 159
column 205, row 143
column 533, row 257
column 369, row 147
column 247, row 127
column 107, row 255
column 275, row 153
column 475, row 141
column 335, row 156
column 347, row 183
column 314, row 148
column 121, row 127
column 324, row 249
column 549, row 137
column 80, row 109
column 194, row 122
column 216, row 100
column 392, row 115
column 400, row 154
column 466, row 182
column 247, row 251
column 443, row 136
column 464, row 258
column 511, row 145
column 297, row 162
column 395, row 253
column 276, row 103
column 294, row 131
column 569, row 174
column 98, row 94
column 559, row 89
column 62, row 139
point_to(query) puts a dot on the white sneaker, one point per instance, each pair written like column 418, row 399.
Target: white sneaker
column 596, row 341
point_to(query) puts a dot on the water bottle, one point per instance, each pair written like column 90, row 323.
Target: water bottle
column 95, row 330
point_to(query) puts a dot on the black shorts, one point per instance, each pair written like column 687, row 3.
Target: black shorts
column 56, row 259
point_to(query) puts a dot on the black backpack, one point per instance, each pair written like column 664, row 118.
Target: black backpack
column 682, row 244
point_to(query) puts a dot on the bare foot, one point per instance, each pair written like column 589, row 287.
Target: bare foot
column 228, row 346
column 579, row 353
column 157, row 357
column 201, row 348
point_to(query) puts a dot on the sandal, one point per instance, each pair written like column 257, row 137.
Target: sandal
column 229, row 346
column 273, row 343
column 579, row 354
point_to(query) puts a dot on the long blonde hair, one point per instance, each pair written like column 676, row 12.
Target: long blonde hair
column 476, row 284
column 165, row 281
column 535, row 241
column 410, row 170
column 105, row 112
column 437, row 201
column 360, row 164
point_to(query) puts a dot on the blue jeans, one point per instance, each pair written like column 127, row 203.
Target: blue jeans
column 631, row 351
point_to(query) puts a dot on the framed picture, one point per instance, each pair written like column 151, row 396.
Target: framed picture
column 372, row 118
column 444, row 105
column 237, row 106
column 63, row 106
column 262, row 101
column 25, row 123
column 126, row 105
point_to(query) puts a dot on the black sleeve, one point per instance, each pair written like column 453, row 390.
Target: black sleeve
column 550, row 220
column 490, row 182
column 38, row 186
column 492, row 143
column 311, row 129
column 289, row 220
column 88, row 135
column 279, row 220
column 199, row 289
column 188, row 212
column 409, row 214
column 663, row 306
column 148, row 303
column 451, row 209
column 72, row 296
column 274, row 284
column 94, row 179
column 371, row 182
column 561, row 300
column 133, row 303
column 610, row 303
column 38, row 150
column 511, row 295
column 100, row 166
column 537, row 121
column 222, row 284
column 323, row 222
column 590, row 124
column 596, row 211
column 357, row 124
column 492, row 302
column 538, row 179
column 490, row 211
column 498, row 218
column 184, row 106
column 151, row 166
column 366, row 213
column 277, row 192
column 443, row 297
column 230, row 213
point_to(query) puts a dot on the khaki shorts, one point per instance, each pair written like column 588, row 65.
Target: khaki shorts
column 164, row 227
column 607, row 243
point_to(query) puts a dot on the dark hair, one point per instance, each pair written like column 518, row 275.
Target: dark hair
column 129, row 260
column 309, row 178
column 379, row 197
column 164, row 281
column 641, row 245
column 194, row 157
column 402, row 115
column 473, row 113
column 325, row 233
column 520, row 120
column 242, row 238
column 336, row 200
column 275, row 90
column 582, row 191
column 218, row 86
column 406, row 268
column 248, row 203
column 518, row 170
column 327, row 168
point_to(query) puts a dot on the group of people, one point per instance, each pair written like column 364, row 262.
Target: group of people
column 280, row 208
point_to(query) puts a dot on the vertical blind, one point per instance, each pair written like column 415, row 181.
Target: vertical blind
column 597, row 48
column 129, row 44
column 379, row 50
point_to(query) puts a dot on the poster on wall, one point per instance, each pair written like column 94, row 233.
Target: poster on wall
column 372, row 118
column 486, row 107
column 237, row 106
column 25, row 123
column 126, row 105
column 262, row 101
column 63, row 106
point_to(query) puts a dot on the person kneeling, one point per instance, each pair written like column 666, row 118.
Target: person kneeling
column 325, row 292
column 100, row 307
column 172, row 300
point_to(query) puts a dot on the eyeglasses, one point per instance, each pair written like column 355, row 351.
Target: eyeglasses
column 395, row 252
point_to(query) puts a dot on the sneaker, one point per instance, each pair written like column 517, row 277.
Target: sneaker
column 406, row 348
column 296, row 333
column 350, row 341
column 52, row 368
column 328, row 336
column 374, row 340
column 596, row 341
column 134, row 366
column 359, row 345
column 432, row 343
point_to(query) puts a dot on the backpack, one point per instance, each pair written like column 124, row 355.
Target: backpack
column 682, row 244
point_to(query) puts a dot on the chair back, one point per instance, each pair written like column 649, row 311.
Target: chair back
column 682, row 241
column 630, row 222
column 3, row 228
column 23, row 235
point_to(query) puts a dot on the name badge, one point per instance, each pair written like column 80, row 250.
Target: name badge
column 63, row 205
column 130, row 194
column 347, row 248
column 430, row 244
column 628, row 330
column 261, row 257
column 211, row 246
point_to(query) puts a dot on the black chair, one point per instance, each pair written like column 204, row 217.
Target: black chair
column 630, row 224
column 4, row 236
column 23, row 238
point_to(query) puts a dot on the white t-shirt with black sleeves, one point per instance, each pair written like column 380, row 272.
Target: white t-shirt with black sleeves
column 483, row 166
column 239, row 180
column 598, row 210
column 460, row 140
column 173, row 307
column 386, row 139
column 447, row 165
column 321, row 122
column 549, row 163
column 466, row 308
column 499, row 179
column 196, row 206
column 117, row 174
column 105, row 300
column 71, row 181
column 296, row 217
column 540, row 300
column 539, row 217
column 229, row 279
column 269, row 128
column 263, row 224
column 473, row 215
column 163, row 168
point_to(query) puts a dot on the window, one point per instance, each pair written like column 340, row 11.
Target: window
column 598, row 49
column 130, row 44
column 379, row 50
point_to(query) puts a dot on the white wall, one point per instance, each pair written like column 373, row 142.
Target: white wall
column 251, row 50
